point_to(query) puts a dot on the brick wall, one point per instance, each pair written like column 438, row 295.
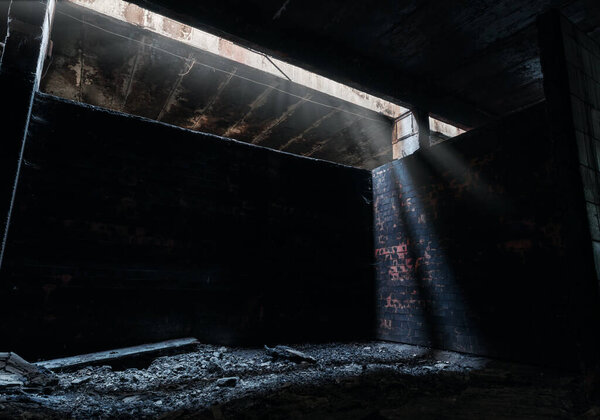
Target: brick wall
column 127, row 230
column 479, row 248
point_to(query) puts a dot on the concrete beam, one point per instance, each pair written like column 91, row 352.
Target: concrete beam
column 314, row 125
column 172, row 98
column 283, row 117
column 232, row 130
column 25, row 48
column 133, row 14
column 208, row 107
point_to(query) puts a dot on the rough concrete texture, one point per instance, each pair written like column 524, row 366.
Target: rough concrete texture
column 371, row 380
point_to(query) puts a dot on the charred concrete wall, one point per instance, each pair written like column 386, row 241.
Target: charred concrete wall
column 4, row 6
column 571, row 66
column 127, row 230
column 480, row 248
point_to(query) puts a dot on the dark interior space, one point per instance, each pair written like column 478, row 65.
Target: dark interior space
column 230, row 242
column 300, row 210
column 469, row 225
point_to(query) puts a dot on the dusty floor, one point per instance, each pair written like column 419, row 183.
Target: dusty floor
column 349, row 381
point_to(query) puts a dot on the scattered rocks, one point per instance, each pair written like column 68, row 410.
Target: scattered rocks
column 81, row 380
column 228, row 382
column 214, row 366
column 284, row 352
column 131, row 399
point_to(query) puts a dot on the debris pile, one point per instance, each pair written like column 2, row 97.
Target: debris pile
column 353, row 380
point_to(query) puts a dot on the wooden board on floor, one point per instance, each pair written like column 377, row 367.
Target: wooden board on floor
column 120, row 356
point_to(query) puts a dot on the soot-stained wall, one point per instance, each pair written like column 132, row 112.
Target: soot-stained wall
column 571, row 66
column 127, row 230
column 480, row 245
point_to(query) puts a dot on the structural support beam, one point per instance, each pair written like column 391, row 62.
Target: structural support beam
column 208, row 107
column 172, row 98
column 309, row 129
column 214, row 44
column 374, row 77
column 20, row 73
column 282, row 118
column 232, row 130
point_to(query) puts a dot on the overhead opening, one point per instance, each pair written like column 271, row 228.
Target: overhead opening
column 204, row 41
column 116, row 55
column 441, row 130
column 408, row 135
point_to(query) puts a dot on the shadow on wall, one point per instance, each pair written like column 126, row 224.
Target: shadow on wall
column 128, row 231
column 480, row 249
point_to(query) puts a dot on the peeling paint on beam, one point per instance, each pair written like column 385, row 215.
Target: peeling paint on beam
column 316, row 124
column 288, row 113
column 133, row 14
column 199, row 120
column 257, row 103
column 170, row 101
column 134, row 68
column 319, row 145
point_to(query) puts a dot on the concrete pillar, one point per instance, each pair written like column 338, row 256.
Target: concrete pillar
column 411, row 132
column 570, row 60
column 20, row 73
column 422, row 119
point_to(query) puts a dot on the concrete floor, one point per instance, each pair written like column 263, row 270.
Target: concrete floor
column 372, row 380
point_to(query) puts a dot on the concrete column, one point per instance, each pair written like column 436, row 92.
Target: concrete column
column 20, row 73
column 411, row 132
column 422, row 119
column 569, row 61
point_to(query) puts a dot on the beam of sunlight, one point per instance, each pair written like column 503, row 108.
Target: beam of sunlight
column 421, row 283
column 467, row 177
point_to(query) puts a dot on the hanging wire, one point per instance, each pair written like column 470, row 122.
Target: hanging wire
column 218, row 69
column 189, row 68
column 47, row 68
column 276, row 66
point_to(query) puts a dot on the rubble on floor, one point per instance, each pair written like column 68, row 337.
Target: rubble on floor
column 285, row 352
column 374, row 380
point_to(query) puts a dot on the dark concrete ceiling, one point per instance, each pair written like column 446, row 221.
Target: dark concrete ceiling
column 104, row 62
column 465, row 60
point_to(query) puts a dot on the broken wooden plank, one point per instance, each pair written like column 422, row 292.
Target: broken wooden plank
column 15, row 371
column 120, row 356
